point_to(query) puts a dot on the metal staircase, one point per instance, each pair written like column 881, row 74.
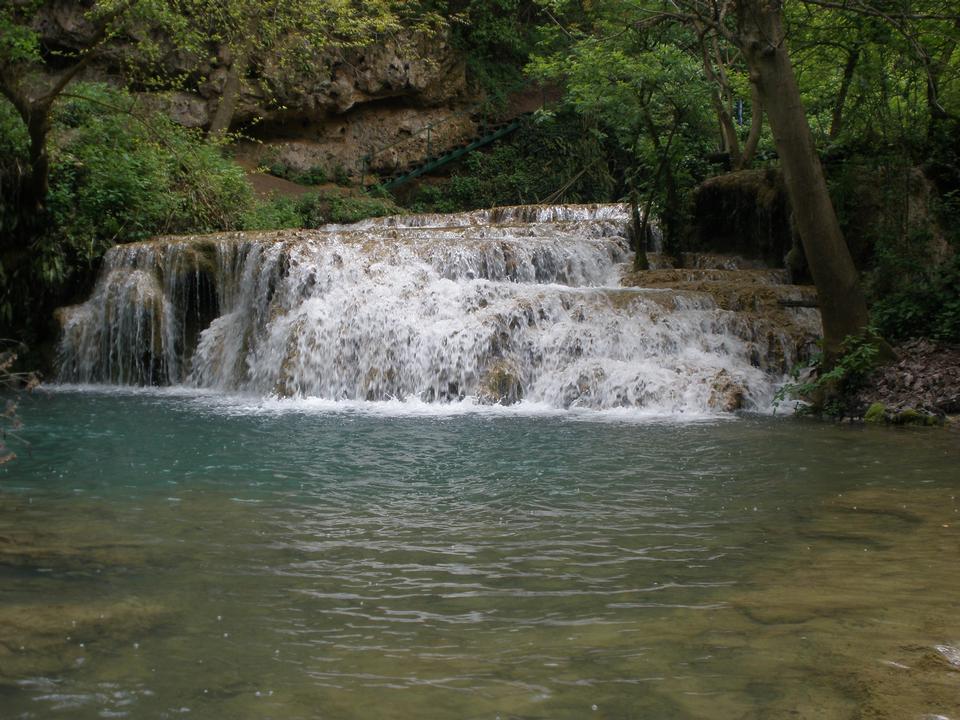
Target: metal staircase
column 489, row 134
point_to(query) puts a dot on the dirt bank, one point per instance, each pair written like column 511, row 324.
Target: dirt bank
column 925, row 381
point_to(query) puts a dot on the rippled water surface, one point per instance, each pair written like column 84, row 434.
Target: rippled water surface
column 165, row 555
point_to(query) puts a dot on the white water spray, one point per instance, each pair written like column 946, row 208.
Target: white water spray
column 492, row 306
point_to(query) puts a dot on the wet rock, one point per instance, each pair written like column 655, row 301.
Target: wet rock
column 779, row 322
column 726, row 394
column 501, row 385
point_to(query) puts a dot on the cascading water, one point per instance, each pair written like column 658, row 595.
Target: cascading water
column 491, row 306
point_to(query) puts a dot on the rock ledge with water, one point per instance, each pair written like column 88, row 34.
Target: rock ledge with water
column 529, row 303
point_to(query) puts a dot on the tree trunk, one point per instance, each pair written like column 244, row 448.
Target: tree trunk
column 728, row 131
column 836, row 121
column 842, row 303
column 719, row 89
column 638, row 233
column 671, row 214
column 756, row 128
column 227, row 106
column 33, row 195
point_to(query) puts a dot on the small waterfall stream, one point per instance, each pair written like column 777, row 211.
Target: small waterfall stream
column 498, row 306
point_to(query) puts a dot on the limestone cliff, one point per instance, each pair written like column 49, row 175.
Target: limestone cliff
column 342, row 106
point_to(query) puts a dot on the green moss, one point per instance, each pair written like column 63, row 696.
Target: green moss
column 910, row 416
column 876, row 413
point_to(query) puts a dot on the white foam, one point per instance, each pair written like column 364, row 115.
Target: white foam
column 453, row 314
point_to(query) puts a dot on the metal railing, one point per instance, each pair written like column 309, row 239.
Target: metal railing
column 481, row 113
column 366, row 161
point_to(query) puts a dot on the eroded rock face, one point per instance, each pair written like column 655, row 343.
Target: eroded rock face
column 336, row 143
column 419, row 71
column 424, row 71
column 344, row 104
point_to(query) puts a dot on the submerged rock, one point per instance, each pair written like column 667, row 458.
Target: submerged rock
column 47, row 638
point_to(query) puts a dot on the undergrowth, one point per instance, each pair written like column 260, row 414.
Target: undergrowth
column 552, row 158
column 816, row 390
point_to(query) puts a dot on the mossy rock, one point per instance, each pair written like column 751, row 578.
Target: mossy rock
column 876, row 413
column 911, row 416
column 746, row 213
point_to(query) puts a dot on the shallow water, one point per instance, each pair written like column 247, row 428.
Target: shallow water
column 166, row 554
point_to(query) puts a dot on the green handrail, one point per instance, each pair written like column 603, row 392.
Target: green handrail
column 428, row 129
column 432, row 163
column 448, row 157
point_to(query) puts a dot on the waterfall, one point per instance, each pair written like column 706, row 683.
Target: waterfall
column 494, row 306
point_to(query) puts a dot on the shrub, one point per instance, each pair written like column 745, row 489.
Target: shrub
column 314, row 175
column 549, row 158
column 313, row 210
column 351, row 209
column 829, row 391
column 923, row 304
column 272, row 214
column 116, row 175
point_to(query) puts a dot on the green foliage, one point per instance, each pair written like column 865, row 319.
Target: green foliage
column 351, row 209
column 273, row 214
column 13, row 134
column 552, row 157
column 648, row 94
column 922, row 303
column 889, row 63
column 18, row 41
column 313, row 210
column 820, row 390
column 901, row 233
column 496, row 36
column 118, row 176
column 341, row 176
column 313, row 175
column 13, row 161
column 876, row 413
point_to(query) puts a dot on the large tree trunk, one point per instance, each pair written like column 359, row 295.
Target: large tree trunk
column 842, row 303
column 33, row 183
